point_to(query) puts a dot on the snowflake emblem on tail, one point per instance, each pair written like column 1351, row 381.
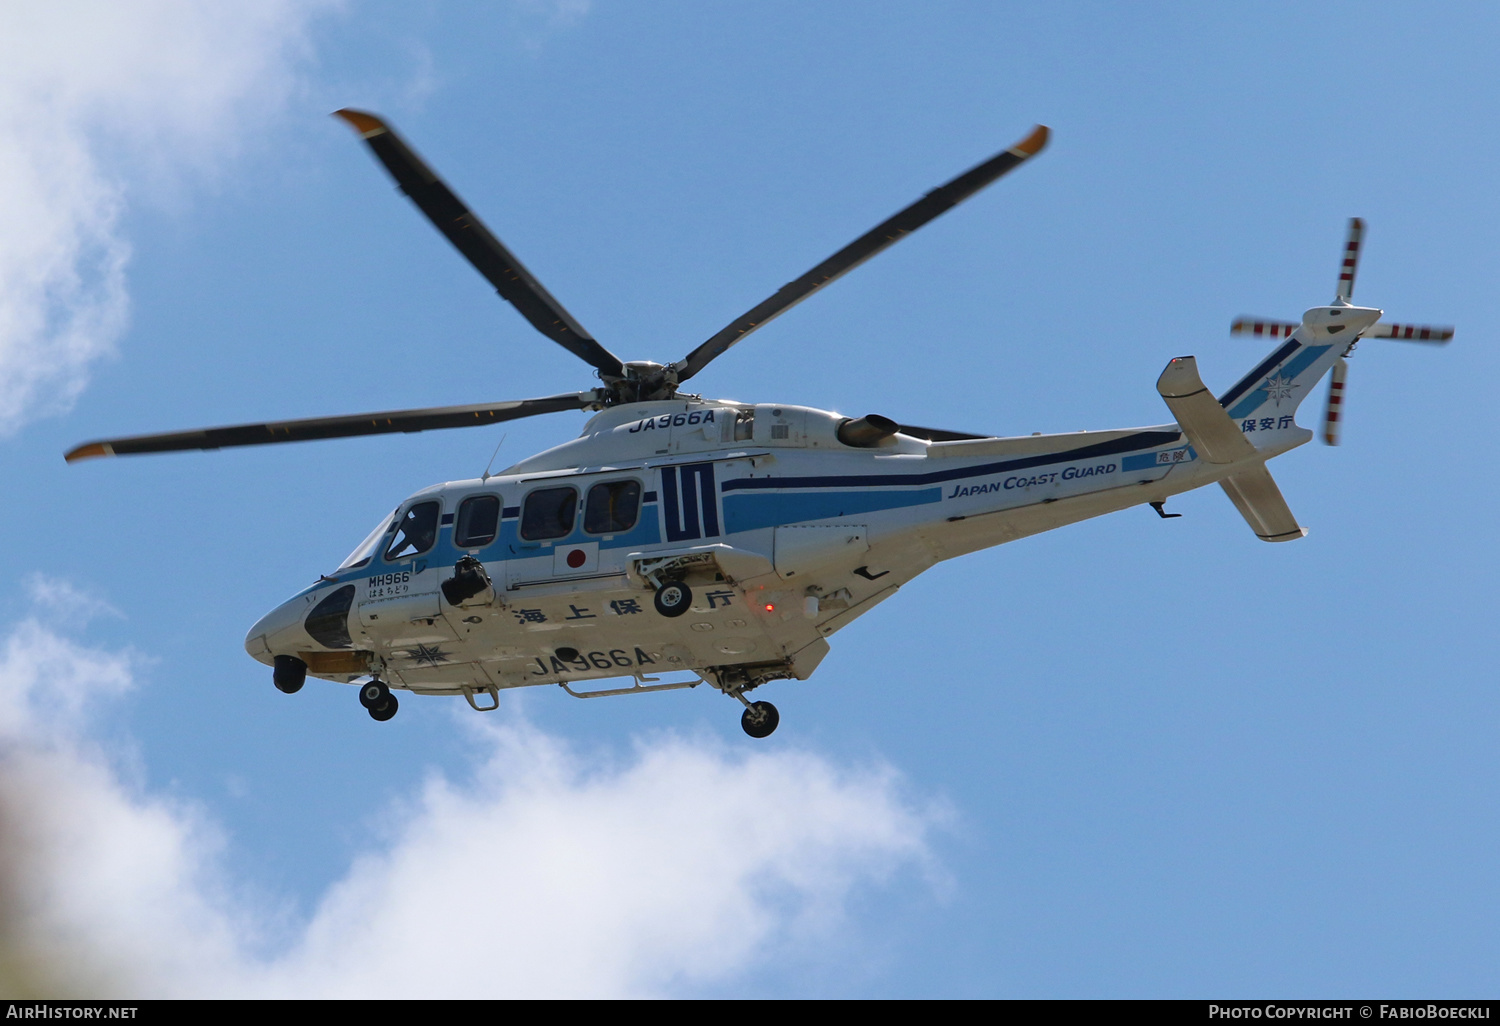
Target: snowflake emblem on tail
column 1279, row 388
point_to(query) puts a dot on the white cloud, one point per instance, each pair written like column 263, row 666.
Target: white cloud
column 102, row 890
column 541, row 878
column 160, row 84
column 544, row 873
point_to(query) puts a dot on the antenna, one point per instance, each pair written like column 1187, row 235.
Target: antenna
column 486, row 475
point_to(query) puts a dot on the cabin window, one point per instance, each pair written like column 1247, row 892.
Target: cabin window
column 549, row 513
column 416, row 532
column 612, row 506
column 478, row 520
column 744, row 425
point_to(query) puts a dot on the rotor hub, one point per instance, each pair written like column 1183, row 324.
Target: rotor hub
column 644, row 381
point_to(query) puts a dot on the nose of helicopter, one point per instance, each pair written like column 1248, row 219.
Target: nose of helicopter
column 279, row 632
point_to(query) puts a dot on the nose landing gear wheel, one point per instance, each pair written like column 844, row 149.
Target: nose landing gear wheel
column 377, row 698
column 760, row 719
column 673, row 598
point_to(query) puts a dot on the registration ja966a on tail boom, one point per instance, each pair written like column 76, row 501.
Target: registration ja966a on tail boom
column 724, row 542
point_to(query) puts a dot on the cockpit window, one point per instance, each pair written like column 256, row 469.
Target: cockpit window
column 549, row 513
column 612, row 506
column 416, row 532
column 478, row 519
column 362, row 553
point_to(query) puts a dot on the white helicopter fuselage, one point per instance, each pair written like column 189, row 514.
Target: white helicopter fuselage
column 720, row 539
column 782, row 533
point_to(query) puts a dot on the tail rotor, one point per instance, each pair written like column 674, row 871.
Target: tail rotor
column 1268, row 329
column 1410, row 333
column 1335, row 407
column 1351, row 262
column 1344, row 293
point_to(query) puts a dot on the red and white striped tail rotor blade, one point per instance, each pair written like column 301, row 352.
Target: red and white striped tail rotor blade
column 1335, row 411
column 1261, row 326
column 1411, row 333
column 1351, row 259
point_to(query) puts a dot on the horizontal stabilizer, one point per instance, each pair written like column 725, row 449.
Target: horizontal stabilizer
column 1216, row 438
column 1255, row 495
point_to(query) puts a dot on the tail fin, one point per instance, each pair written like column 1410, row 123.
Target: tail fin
column 1267, row 398
column 1218, row 439
column 1322, row 340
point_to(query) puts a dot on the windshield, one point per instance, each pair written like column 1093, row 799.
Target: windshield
column 418, row 530
column 361, row 555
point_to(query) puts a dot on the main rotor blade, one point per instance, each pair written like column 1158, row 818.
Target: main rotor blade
column 478, row 244
column 936, row 202
column 389, row 422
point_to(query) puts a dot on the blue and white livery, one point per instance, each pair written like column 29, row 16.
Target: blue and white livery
column 721, row 542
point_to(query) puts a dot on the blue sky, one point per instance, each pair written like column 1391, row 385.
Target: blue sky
column 1130, row 758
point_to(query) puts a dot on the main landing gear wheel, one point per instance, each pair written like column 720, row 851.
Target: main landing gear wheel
column 377, row 698
column 673, row 598
column 760, row 719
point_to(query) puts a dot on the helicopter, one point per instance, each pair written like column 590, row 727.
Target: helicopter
column 728, row 540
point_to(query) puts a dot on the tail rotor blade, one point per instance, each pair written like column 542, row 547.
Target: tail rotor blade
column 1411, row 333
column 1262, row 326
column 1351, row 259
column 1335, row 410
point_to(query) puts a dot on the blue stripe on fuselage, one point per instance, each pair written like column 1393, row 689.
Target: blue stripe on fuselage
column 749, row 512
column 509, row 545
column 1129, row 443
